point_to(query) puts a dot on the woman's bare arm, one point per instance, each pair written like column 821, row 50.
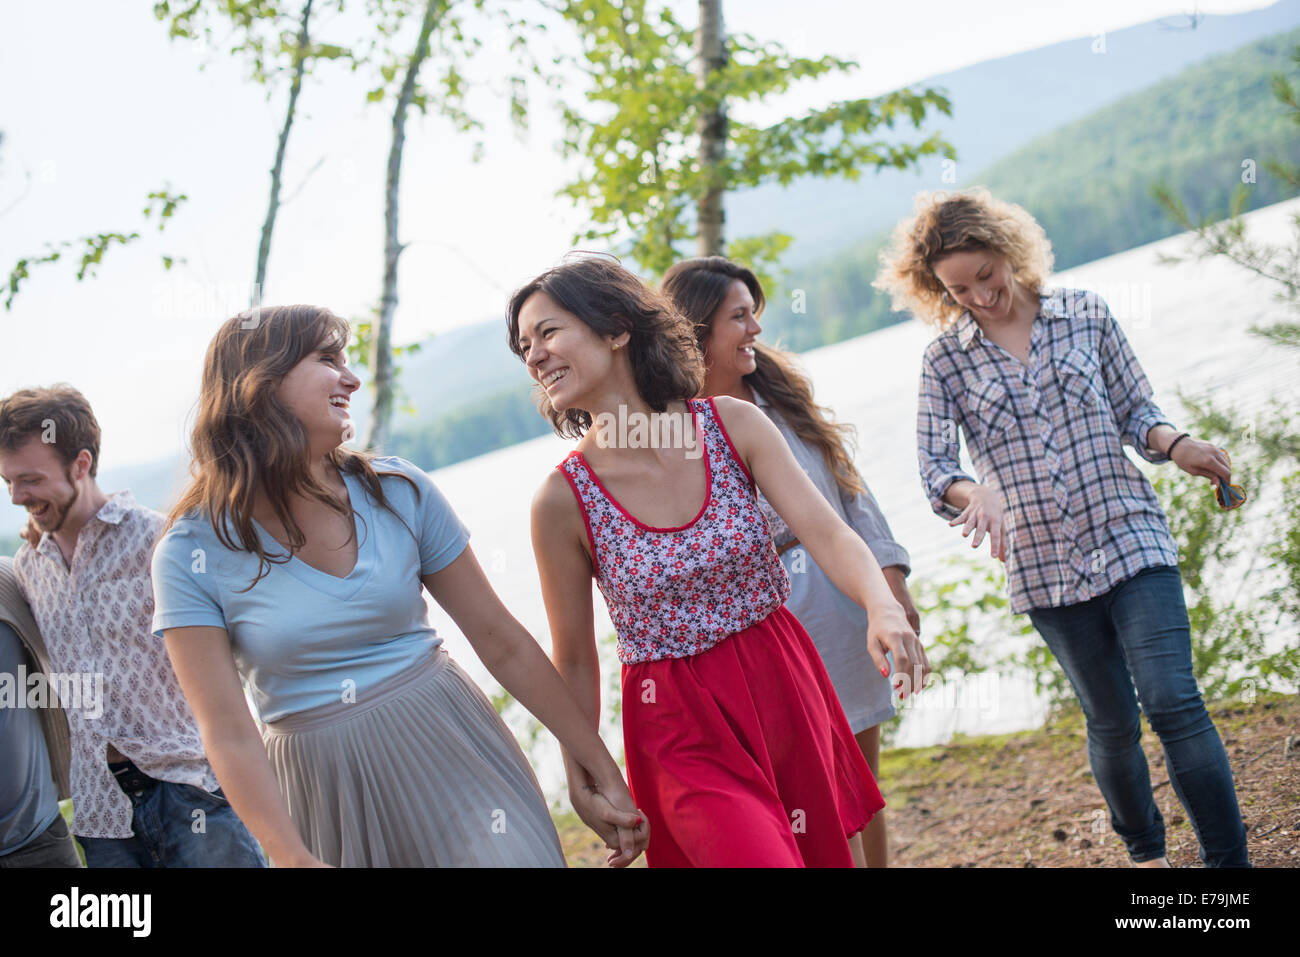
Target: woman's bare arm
column 835, row 547
column 206, row 670
column 515, row 659
column 565, row 572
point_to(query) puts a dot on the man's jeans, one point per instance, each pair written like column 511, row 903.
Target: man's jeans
column 54, row 848
column 1137, row 634
column 175, row 825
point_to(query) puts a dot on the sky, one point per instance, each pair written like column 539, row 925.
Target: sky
column 120, row 111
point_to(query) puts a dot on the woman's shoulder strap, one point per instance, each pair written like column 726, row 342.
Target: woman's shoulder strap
column 725, row 451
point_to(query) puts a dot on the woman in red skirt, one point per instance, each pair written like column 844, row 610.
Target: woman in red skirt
column 737, row 748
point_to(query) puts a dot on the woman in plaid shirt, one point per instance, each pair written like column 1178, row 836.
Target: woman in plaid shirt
column 1046, row 390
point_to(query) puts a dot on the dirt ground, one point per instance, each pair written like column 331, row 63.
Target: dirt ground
column 1029, row 800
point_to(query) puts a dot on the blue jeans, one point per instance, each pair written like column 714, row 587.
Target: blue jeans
column 54, row 848
column 1137, row 634
column 175, row 825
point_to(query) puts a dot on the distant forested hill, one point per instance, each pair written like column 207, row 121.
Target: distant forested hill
column 1089, row 182
column 999, row 105
column 501, row 420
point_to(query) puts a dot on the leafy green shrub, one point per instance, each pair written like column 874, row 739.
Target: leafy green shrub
column 1241, row 573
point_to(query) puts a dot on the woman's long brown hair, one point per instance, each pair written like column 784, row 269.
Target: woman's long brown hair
column 246, row 442
column 698, row 287
column 666, row 362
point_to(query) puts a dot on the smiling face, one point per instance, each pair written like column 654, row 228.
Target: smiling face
column 317, row 391
column 39, row 481
column 564, row 355
column 729, row 346
column 979, row 280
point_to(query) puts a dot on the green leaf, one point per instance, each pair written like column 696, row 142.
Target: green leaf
column 638, row 139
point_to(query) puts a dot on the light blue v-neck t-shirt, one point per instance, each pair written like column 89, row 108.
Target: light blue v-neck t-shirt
column 303, row 638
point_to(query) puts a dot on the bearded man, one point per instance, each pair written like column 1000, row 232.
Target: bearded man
column 143, row 792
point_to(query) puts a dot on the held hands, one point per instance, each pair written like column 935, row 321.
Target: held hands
column 611, row 813
column 984, row 515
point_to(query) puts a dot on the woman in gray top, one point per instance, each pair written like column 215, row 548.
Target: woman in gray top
column 723, row 300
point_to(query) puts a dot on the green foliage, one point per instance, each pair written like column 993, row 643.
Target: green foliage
column 66, row 809
column 1230, row 634
column 89, row 250
column 263, row 32
column 362, row 338
column 1288, row 94
column 445, row 48
column 1090, row 183
column 1231, row 561
column 507, row 706
column 967, row 608
column 965, row 614
column 453, row 48
column 1226, row 237
column 162, row 205
column 839, row 299
column 762, row 253
column 641, row 172
column 1241, row 575
column 391, row 63
column 1284, row 551
column 1283, row 333
column 473, row 429
column 359, row 349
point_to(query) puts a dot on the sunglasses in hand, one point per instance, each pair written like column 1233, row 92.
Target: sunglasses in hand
column 1229, row 496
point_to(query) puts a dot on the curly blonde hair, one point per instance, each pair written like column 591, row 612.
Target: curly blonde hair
column 947, row 223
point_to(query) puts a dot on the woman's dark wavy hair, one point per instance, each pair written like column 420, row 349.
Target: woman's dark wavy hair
column 699, row 287
column 246, row 441
column 666, row 360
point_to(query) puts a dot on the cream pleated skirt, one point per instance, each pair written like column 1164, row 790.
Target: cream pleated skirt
column 421, row 774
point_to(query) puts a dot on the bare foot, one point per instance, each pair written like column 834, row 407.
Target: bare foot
column 1156, row 862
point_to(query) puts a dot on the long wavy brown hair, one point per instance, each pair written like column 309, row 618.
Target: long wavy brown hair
column 246, row 442
column 698, row 287
column 666, row 360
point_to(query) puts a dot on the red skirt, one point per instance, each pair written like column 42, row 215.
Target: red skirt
column 741, row 756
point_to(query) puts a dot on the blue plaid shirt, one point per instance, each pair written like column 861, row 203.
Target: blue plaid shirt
column 1049, row 437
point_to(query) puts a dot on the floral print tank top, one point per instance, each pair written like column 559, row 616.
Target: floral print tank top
column 675, row 592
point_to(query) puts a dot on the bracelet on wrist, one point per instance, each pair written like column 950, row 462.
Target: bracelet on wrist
column 1169, row 453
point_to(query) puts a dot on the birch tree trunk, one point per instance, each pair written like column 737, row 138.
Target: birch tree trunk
column 711, row 56
column 277, row 171
column 381, row 353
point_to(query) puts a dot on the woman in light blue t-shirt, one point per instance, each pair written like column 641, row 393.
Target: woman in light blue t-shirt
column 299, row 566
